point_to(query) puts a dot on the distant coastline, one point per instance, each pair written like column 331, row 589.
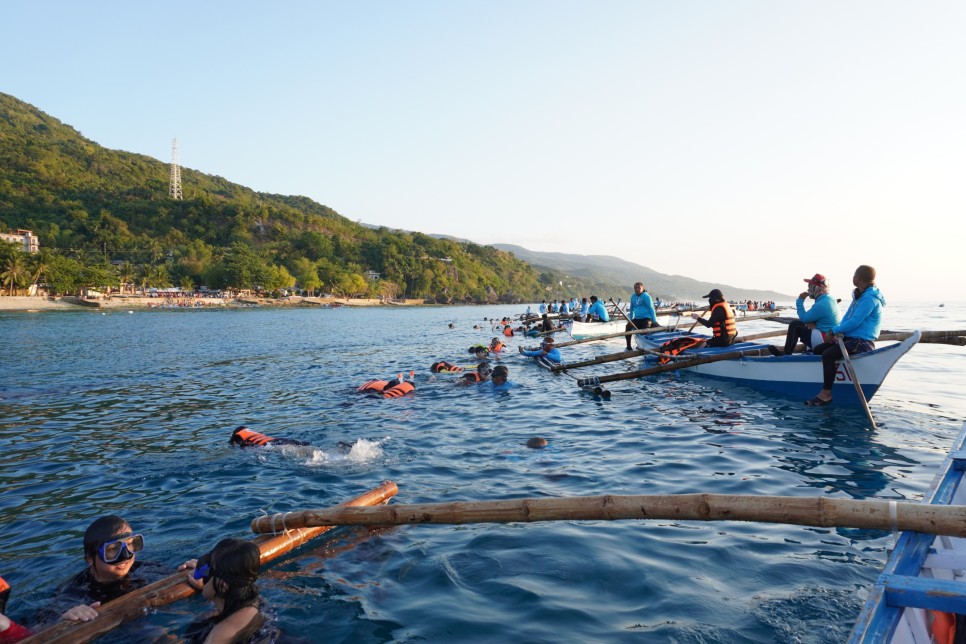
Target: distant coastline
column 26, row 303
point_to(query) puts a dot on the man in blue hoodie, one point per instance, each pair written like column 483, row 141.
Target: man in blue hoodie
column 859, row 330
column 547, row 351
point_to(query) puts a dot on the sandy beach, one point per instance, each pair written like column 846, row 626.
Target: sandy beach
column 43, row 303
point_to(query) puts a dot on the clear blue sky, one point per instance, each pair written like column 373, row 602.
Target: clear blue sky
column 745, row 143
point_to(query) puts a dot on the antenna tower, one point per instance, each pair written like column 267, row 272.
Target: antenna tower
column 174, row 190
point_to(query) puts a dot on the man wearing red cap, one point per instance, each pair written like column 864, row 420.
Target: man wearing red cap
column 812, row 325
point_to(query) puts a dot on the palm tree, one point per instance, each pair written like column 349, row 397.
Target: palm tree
column 16, row 268
column 41, row 264
column 126, row 275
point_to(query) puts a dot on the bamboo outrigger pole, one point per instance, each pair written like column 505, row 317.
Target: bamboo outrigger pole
column 811, row 511
column 174, row 587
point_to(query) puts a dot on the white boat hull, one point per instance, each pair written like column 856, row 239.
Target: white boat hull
column 797, row 376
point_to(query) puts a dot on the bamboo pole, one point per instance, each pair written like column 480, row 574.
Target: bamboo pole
column 811, row 511
column 174, row 587
column 681, row 364
column 610, row 357
column 609, row 336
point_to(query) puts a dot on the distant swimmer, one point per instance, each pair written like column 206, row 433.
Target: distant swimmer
column 444, row 367
column 537, row 443
column 244, row 437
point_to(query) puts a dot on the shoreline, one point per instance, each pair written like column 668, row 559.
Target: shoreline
column 45, row 303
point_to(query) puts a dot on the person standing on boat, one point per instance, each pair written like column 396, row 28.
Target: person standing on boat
column 597, row 311
column 643, row 315
column 543, row 307
column 812, row 325
column 584, row 310
column 721, row 321
column 859, row 330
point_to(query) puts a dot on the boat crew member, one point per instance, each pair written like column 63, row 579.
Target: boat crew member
column 244, row 437
column 584, row 310
column 643, row 315
column 543, row 307
column 721, row 320
column 547, row 350
column 859, row 330
column 812, row 325
column 597, row 311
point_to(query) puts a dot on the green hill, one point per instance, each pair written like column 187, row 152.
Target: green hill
column 104, row 218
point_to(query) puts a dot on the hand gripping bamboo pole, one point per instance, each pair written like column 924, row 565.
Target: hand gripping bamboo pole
column 174, row 587
column 810, row 511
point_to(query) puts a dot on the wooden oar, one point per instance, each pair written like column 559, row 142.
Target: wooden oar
column 174, row 587
column 811, row 511
column 703, row 311
column 855, row 380
column 680, row 364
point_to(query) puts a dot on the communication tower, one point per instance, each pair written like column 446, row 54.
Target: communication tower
column 174, row 190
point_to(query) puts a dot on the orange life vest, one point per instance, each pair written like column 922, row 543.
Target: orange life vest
column 508, row 332
column 497, row 346
column 399, row 390
column 677, row 345
column 444, row 367
column 373, row 386
column 472, row 376
column 943, row 627
column 248, row 438
column 728, row 329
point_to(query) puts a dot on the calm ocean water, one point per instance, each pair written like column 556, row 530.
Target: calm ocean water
column 130, row 413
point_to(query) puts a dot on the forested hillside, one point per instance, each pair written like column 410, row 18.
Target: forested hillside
column 104, row 218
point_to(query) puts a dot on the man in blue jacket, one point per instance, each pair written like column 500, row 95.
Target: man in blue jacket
column 597, row 311
column 859, row 330
column 643, row 315
column 812, row 325
column 546, row 351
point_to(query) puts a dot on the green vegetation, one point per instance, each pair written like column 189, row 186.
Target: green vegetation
column 104, row 218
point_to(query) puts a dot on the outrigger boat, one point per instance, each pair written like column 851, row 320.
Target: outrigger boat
column 583, row 330
column 923, row 585
column 798, row 375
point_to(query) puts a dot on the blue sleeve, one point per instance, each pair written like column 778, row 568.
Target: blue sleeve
column 855, row 317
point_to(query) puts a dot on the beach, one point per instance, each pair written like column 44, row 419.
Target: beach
column 44, row 303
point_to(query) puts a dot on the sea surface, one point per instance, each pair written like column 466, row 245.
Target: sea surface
column 130, row 413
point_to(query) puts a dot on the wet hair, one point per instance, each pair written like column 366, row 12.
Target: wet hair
column 865, row 273
column 483, row 369
column 499, row 372
column 235, row 562
column 235, row 438
column 101, row 531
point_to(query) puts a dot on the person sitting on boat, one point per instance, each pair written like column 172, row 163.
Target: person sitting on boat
column 226, row 576
column 10, row 631
column 811, row 325
column 547, row 351
column 244, row 437
column 498, row 379
column 643, row 315
column 110, row 547
column 584, row 310
column 721, row 320
column 481, row 374
column 597, row 311
column 859, row 330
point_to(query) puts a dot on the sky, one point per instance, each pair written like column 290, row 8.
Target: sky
column 745, row 143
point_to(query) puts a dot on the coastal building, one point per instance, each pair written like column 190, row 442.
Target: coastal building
column 25, row 238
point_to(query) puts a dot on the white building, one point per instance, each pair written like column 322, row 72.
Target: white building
column 25, row 238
